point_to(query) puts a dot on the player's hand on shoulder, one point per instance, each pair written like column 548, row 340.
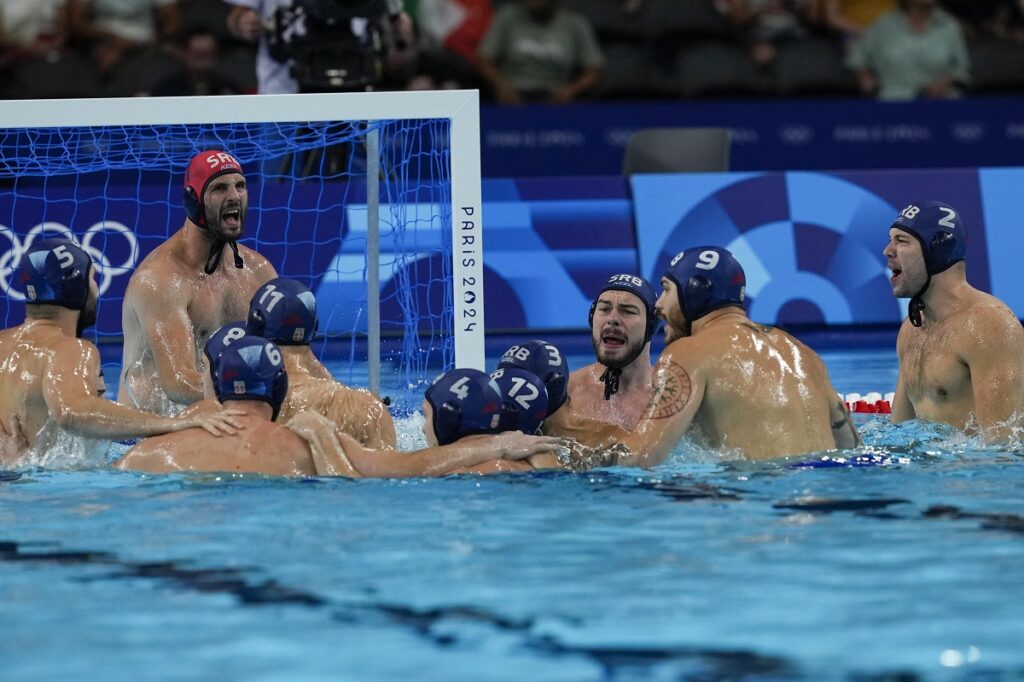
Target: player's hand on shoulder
column 518, row 445
column 222, row 423
column 309, row 424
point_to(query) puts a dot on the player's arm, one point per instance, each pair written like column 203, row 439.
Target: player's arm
column 902, row 408
column 567, row 423
column 678, row 392
column 994, row 353
column 162, row 312
column 844, row 431
column 319, row 432
column 436, row 461
column 69, row 389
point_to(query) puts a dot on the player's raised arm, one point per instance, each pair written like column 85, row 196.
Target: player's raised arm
column 162, row 312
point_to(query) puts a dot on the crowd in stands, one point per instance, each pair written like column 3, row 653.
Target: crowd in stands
column 535, row 50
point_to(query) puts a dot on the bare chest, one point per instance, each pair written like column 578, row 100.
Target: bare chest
column 215, row 301
column 624, row 408
column 930, row 367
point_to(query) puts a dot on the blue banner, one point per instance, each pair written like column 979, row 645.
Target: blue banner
column 589, row 139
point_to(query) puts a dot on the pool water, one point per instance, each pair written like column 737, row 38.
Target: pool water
column 702, row 569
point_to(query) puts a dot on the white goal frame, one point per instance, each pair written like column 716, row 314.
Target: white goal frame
column 460, row 107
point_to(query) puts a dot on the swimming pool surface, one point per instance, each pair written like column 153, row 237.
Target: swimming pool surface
column 701, row 569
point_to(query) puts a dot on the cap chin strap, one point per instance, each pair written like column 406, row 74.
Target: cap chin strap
column 217, row 251
column 611, row 381
column 916, row 309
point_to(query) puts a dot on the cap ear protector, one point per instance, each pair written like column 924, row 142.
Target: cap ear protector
column 251, row 368
column 524, row 399
column 202, row 169
column 464, row 402
column 546, row 361
column 639, row 287
column 707, row 278
column 284, row 311
column 943, row 237
column 55, row 271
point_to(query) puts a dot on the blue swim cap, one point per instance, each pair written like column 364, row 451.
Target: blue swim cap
column 639, row 287
column 524, row 399
column 707, row 278
column 464, row 402
column 284, row 311
column 940, row 230
column 221, row 339
column 546, row 361
column 251, row 368
column 56, row 271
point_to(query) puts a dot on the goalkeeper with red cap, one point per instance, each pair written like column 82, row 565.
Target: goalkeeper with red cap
column 189, row 286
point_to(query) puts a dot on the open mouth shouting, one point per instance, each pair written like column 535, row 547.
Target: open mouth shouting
column 231, row 218
column 897, row 274
column 613, row 340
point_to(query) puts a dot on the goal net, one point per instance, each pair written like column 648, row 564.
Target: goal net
column 370, row 199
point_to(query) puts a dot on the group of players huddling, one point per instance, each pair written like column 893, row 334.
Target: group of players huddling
column 215, row 338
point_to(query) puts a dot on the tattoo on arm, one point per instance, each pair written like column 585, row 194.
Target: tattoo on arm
column 672, row 389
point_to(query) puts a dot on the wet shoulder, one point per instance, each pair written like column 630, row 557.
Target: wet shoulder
column 987, row 318
column 581, row 376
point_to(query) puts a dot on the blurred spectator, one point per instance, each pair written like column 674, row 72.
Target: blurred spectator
column 538, row 52
column 989, row 18
column 199, row 76
column 914, row 51
column 248, row 20
column 251, row 20
column 450, row 32
column 111, row 29
column 852, row 17
column 31, row 28
column 766, row 24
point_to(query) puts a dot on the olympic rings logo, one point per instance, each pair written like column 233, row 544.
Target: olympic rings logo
column 104, row 268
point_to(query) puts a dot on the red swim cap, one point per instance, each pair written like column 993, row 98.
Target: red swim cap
column 203, row 168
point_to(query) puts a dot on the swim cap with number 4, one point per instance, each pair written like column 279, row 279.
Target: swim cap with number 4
column 940, row 230
column 707, row 278
column 465, row 402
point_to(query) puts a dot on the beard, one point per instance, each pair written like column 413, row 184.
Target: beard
column 633, row 351
column 87, row 317
column 218, row 232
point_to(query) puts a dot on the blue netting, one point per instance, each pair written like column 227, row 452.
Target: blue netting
column 117, row 191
